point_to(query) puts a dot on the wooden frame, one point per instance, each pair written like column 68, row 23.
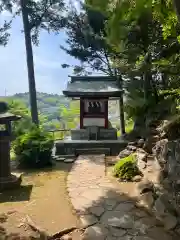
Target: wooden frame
column 84, row 114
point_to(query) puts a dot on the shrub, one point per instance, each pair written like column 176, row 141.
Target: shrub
column 126, row 168
column 33, row 149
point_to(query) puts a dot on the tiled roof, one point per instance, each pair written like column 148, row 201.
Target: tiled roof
column 80, row 86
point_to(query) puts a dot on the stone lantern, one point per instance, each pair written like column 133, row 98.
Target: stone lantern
column 7, row 180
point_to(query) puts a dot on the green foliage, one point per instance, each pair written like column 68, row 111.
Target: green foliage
column 17, row 107
column 144, row 35
column 70, row 116
column 126, row 168
column 117, row 11
column 43, row 15
column 4, row 25
column 86, row 42
column 33, row 148
column 129, row 126
column 50, row 107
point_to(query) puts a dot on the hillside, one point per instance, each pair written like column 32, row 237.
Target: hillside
column 48, row 104
column 52, row 106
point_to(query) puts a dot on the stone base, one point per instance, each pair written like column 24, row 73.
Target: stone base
column 103, row 134
column 70, row 147
column 11, row 182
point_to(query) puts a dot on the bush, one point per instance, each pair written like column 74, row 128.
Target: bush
column 126, row 168
column 33, row 149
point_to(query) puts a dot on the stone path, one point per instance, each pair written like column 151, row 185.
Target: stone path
column 105, row 213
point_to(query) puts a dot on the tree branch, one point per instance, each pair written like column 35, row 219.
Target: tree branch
column 38, row 21
column 108, row 63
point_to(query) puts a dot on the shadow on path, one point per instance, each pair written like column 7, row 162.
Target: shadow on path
column 106, row 212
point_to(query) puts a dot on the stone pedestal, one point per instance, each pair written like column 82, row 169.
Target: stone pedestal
column 5, row 157
column 10, row 182
column 7, row 180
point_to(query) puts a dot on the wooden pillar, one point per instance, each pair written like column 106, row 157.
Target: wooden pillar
column 81, row 112
column 106, row 113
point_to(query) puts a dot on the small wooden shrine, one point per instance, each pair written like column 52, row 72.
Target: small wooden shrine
column 95, row 132
column 7, row 180
column 93, row 93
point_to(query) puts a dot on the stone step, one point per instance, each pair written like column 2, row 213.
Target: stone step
column 63, row 157
column 89, row 151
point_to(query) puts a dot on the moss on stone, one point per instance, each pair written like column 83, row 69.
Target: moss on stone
column 126, row 168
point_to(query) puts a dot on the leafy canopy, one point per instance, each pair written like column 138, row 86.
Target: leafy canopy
column 43, row 15
column 122, row 11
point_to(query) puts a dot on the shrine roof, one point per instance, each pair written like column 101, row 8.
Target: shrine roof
column 102, row 86
column 5, row 117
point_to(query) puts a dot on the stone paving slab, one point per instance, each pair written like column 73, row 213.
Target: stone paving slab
column 105, row 213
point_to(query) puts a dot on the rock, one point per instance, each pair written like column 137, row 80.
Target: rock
column 127, row 237
column 141, row 155
column 131, row 148
column 60, row 159
column 139, row 213
column 145, row 186
column 170, row 222
column 97, row 210
column 178, row 182
column 140, row 143
column 66, row 237
column 96, row 232
column 124, row 207
column 143, row 238
column 132, row 144
column 178, row 231
column 117, row 232
column 149, row 144
column 110, row 237
column 159, row 208
column 124, row 153
column 154, row 131
column 155, row 138
column 158, row 233
column 160, row 151
column 142, row 226
column 164, row 212
column 141, row 165
column 109, row 204
column 117, row 219
column 147, row 200
column 168, row 202
column 3, row 218
column 2, row 231
column 88, row 220
column 69, row 160
column 166, row 183
column 137, row 178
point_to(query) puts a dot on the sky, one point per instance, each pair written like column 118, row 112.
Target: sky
column 48, row 57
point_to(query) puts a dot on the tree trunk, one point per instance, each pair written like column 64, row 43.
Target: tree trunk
column 30, row 63
column 147, row 77
column 121, row 107
column 147, row 86
column 164, row 80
